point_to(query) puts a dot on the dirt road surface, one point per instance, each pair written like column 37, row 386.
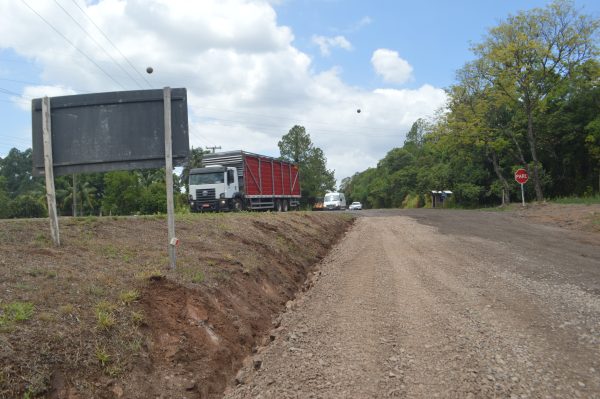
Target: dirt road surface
column 422, row 304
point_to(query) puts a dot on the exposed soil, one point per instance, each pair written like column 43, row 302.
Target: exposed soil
column 110, row 320
column 412, row 303
column 578, row 217
column 441, row 303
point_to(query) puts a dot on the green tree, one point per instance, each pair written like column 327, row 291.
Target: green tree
column 122, row 193
column 153, row 198
column 315, row 179
column 527, row 56
column 4, row 199
column 194, row 161
column 17, row 168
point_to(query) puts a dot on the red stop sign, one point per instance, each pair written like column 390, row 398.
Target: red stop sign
column 521, row 176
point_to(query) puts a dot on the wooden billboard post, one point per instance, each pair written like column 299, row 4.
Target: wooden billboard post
column 49, row 171
column 169, row 177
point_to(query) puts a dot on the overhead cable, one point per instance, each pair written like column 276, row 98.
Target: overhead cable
column 114, row 45
column 98, row 44
column 73, row 45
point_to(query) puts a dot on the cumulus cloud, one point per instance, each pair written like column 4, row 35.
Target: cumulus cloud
column 247, row 83
column 38, row 92
column 327, row 43
column 391, row 67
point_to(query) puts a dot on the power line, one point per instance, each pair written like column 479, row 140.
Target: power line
column 111, row 42
column 14, row 93
column 20, row 81
column 274, row 129
column 72, row 44
column 14, row 100
column 289, row 119
column 326, row 131
column 98, row 44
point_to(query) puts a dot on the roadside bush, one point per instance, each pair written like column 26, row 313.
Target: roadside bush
column 26, row 206
column 411, row 201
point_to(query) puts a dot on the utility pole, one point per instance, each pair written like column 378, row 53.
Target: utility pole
column 213, row 148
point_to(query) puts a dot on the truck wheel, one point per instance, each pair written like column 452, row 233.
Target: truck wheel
column 285, row 206
column 278, row 205
column 237, row 205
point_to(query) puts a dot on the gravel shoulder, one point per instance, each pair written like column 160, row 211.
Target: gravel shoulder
column 427, row 304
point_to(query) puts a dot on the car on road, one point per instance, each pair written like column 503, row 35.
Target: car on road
column 355, row 206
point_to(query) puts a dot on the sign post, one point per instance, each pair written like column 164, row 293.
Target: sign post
column 169, row 176
column 49, row 171
column 521, row 177
column 102, row 132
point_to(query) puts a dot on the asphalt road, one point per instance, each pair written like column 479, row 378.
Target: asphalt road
column 439, row 303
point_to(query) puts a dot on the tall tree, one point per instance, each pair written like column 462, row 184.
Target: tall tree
column 17, row 167
column 315, row 179
column 528, row 55
column 194, row 161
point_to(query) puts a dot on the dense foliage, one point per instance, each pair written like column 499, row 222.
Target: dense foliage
column 531, row 98
column 112, row 193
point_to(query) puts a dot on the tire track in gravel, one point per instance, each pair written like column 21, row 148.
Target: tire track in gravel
column 400, row 310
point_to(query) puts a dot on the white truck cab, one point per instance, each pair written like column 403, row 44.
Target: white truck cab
column 213, row 188
column 334, row 200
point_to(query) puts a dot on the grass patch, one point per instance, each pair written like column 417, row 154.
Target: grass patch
column 150, row 275
column 42, row 240
column 587, row 200
column 138, row 318
column 105, row 317
column 102, row 355
column 37, row 272
column 198, row 277
column 106, row 320
column 110, row 251
column 97, row 291
column 130, row 296
column 67, row 310
column 15, row 312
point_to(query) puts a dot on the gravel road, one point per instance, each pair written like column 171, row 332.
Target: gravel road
column 422, row 304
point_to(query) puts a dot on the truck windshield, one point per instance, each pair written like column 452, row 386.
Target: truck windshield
column 207, row 178
column 332, row 197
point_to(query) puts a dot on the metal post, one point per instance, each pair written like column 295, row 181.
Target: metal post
column 522, row 194
column 49, row 171
column 169, row 176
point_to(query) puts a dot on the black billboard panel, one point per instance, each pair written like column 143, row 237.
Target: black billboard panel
column 102, row 132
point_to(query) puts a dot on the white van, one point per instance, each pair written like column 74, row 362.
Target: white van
column 334, row 201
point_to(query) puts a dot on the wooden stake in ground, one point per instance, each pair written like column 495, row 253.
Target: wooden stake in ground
column 49, row 171
column 169, row 176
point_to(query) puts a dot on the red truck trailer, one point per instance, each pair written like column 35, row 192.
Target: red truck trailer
column 237, row 180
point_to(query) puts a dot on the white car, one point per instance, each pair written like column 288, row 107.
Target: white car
column 355, row 206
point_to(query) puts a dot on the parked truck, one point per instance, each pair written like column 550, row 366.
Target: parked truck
column 237, row 180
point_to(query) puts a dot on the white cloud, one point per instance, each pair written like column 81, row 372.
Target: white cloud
column 364, row 21
column 326, row 43
column 391, row 67
column 247, row 84
column 38, row 92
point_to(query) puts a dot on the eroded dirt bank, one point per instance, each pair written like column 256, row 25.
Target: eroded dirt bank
column 104, row 317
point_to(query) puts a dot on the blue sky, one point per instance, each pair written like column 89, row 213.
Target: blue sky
column 253, row 70
column 434, row 36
